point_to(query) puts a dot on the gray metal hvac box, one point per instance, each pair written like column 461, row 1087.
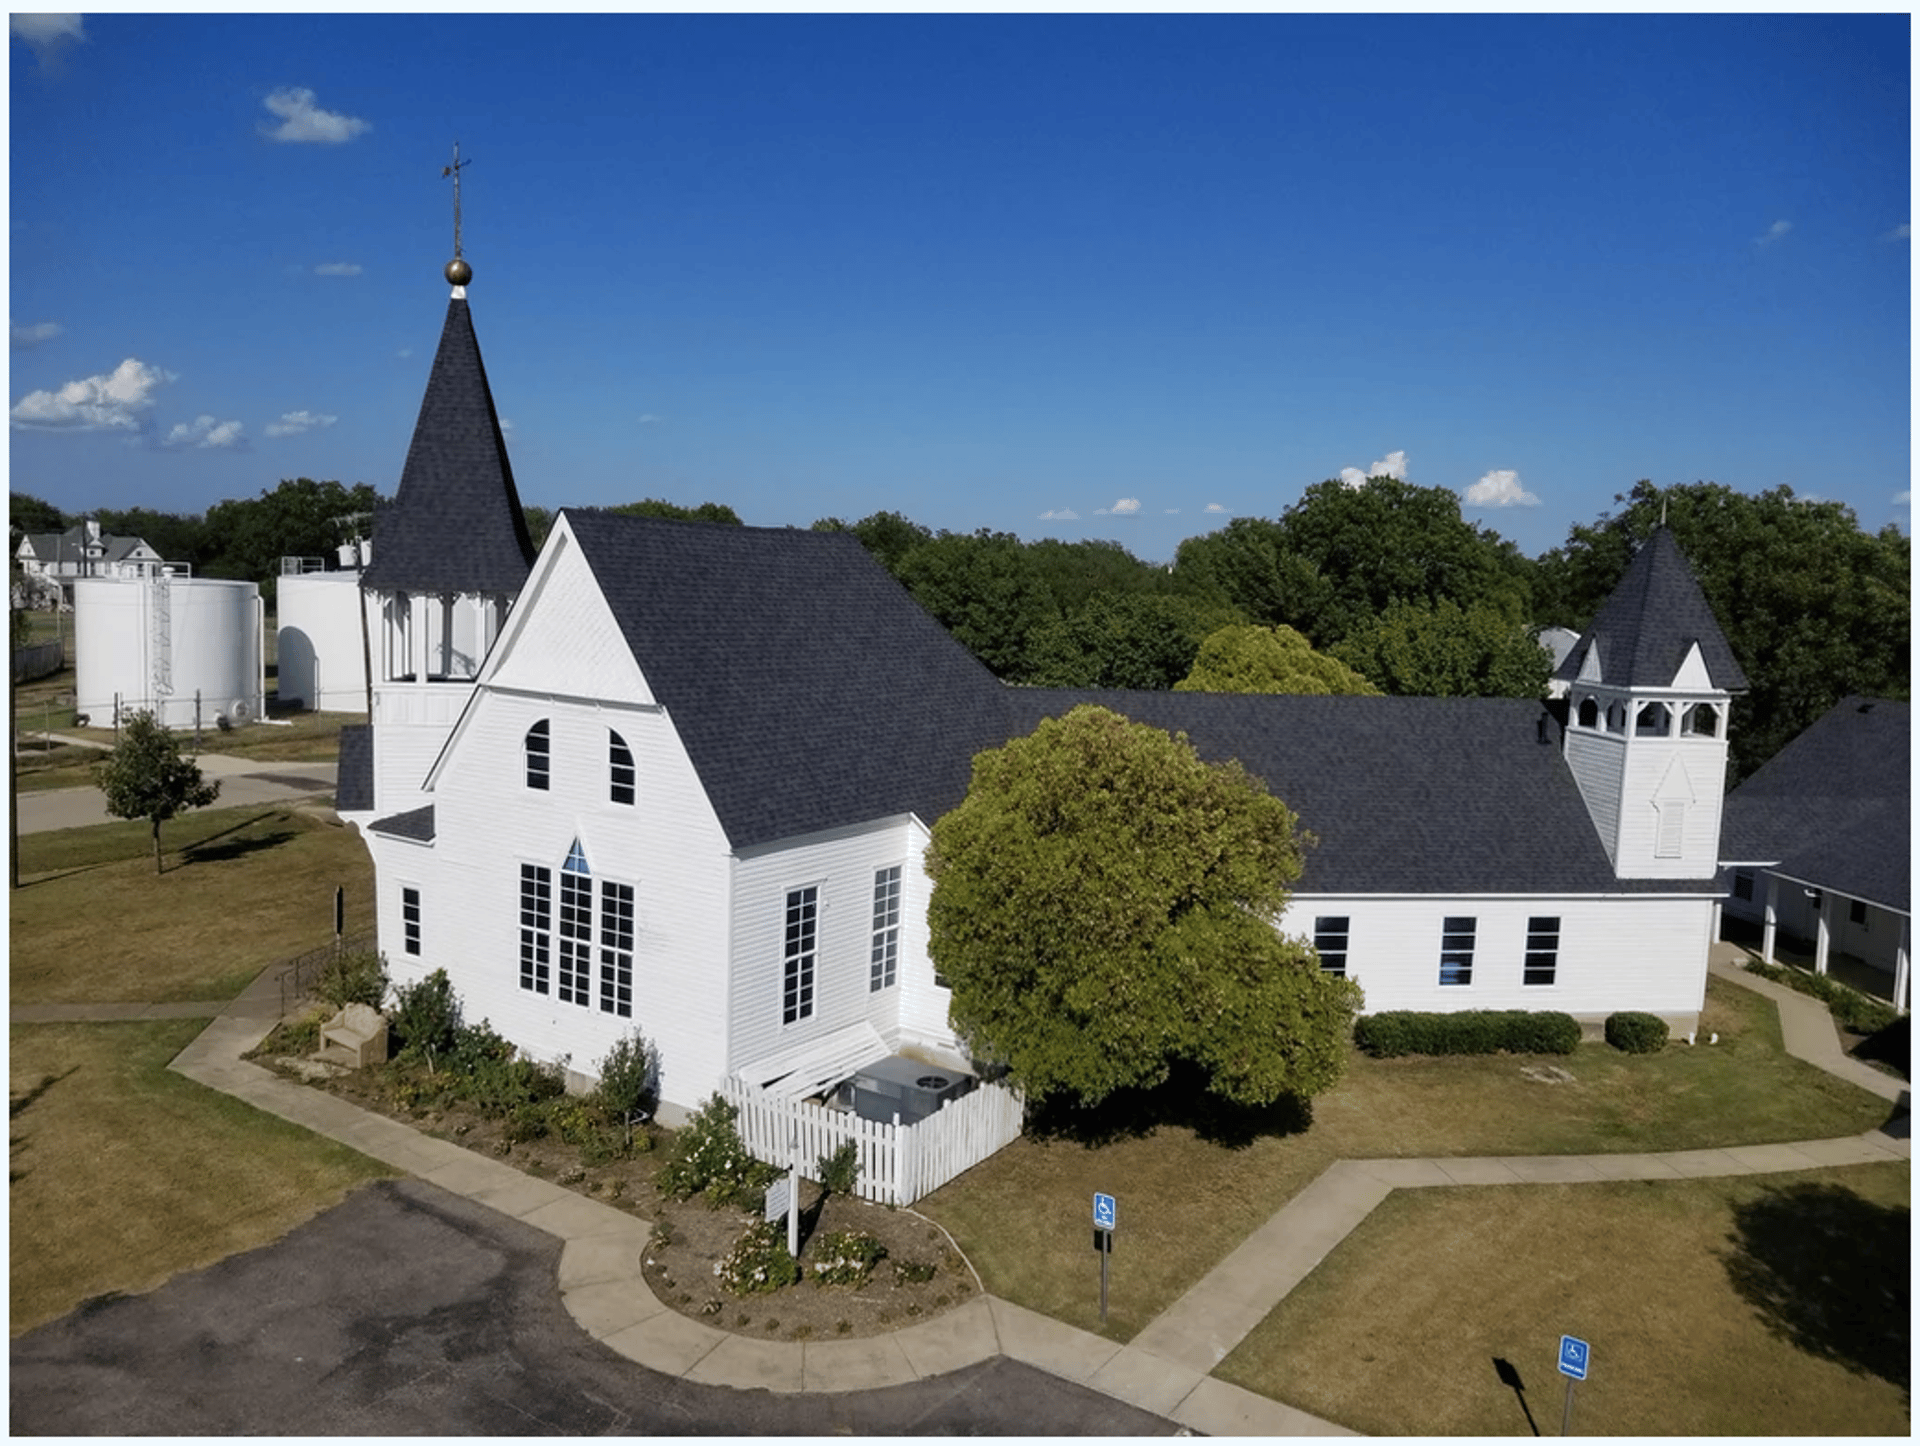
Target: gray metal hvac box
column 910, row 1088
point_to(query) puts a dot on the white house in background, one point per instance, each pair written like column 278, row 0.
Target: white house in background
column 680, row 777
column 50, row 561
column 1820, row 843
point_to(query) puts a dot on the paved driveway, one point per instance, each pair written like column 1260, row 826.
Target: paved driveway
column 410, row 1311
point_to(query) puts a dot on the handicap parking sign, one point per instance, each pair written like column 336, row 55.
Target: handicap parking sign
column 1103, row 1211
column 1574, row 1356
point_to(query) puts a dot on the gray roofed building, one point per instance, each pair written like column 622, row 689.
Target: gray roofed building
column 1650, row 622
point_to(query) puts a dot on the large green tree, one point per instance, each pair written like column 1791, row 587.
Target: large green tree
column 247, row 536
column 1814, row 607
column 674, row 512
column 27, row 513
column 145, row 777
column 1104, row 906
column 1248, row 659
column 1248, row 566
column 985, row 590
column 1442, row 650
column 1117, row 640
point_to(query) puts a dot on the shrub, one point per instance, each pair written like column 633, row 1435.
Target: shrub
column 1469, row 1031
column 425, row 1017
column 758, row 1261
column 356, row 977
column 846, row 1257
column 914, row 1272
column 1849, row 1007
column 840, row 1171
column 1635, row 1032
column 709, row 1160
column 629, row 1087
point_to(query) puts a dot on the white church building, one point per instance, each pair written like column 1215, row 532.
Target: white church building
column 679, row 777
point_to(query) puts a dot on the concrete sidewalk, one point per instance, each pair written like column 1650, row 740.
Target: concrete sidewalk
column 244, row 783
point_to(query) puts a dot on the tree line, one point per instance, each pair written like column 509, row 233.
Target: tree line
column 1384, row 587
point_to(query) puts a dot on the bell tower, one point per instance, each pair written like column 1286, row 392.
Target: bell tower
column 1649, row 689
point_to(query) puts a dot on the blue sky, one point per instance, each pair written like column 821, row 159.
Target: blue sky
column 1094, row 276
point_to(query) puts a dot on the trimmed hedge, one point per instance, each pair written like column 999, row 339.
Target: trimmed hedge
column 1851, row 1008
column 1470, row 1031
column 1635, row 1032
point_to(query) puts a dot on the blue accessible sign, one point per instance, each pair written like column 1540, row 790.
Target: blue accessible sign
column 1574, row 1355
column 1103, row 1211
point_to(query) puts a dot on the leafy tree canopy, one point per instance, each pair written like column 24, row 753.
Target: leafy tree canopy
column 985, row 590
column 1118, row 640
column 1248, row 659
column 1441, row 650
column 177, row 537
column 539, row 524
column 26, row 513
column 1247, row 565
column 1103, row 906
column 887, row 535
column 145, row 777
column 1814, row 607
column 672, row 511
column 299, row 518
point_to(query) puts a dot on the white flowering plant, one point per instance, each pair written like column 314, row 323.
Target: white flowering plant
column 758, row 1261
column 709, row 1160
column 846, row 1258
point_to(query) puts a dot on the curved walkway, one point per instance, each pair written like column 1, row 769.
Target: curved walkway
column 1165, row 1369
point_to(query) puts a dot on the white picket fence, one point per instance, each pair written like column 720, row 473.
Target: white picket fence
column 898, row 1163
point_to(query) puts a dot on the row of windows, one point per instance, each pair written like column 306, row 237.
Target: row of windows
column 1654, row 720
column 1459, row 935
column 621, row 775
column 802, row 943
column 1743, row 889
column 571, row 946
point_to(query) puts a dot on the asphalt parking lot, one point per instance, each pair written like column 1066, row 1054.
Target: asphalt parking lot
column 410, row 1311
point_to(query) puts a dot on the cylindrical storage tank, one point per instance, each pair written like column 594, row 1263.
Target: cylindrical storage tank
column 323, row 655
column 186, row 649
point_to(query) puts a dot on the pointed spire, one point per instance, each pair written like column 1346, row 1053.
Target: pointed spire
column 1647, row 626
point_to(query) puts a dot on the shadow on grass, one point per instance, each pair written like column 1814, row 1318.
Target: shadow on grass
column 1828, row 1272
column 233, row 848
column 18, row 1105
column 1183, row 1101
column 1509, row 1375
column 1891, row 1046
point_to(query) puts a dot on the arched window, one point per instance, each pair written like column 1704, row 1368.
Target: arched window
column 1702, row 720
column 539, row 755
column 620, row 774
column 1589, row 713
column 1654, row 721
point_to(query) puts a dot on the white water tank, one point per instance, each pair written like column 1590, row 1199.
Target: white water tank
column 171, row 645
column 322, row 653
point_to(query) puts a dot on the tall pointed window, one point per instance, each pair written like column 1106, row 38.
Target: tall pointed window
column 576, row 929
column 539, row 755
column 620, row 771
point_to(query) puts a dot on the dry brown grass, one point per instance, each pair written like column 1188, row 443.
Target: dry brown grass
column 92, row 923
column 1398, row 1331
column 1024, row 1216
column 122, row 1174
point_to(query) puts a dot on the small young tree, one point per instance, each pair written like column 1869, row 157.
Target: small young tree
column 629, row 1088
column 145, row 777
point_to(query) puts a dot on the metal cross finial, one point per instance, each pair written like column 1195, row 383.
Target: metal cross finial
column 454, row 171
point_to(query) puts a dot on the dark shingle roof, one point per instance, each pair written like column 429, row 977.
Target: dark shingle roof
column 811, row 692
column 1648, row 623
column 71, row 545
column 1833, row 807
column 415, row 823
column 353, row 776
column 455, row 524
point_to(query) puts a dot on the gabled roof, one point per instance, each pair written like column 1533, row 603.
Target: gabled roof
column 455, row 523
column 71, row 546
column 812, row 692
column 1833, row 807
column 1651, row 621
column 415, row 824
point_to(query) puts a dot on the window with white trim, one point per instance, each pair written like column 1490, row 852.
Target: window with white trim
column 539, row 755
column 575, row 984
column 620, row 770
column 1330, row 942
column 1589, row 715
column 1456, row 949
column 410, row 920
column 536, row 927
column 801, row 949
column 616, row 948
column 885, row 957
column 1543, row 950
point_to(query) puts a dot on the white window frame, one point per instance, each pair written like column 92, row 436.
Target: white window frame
column 1327, row 929
column 410, row 919
column 1459, row 934
column 800, row 952
column 617, row 906
column 536, row 928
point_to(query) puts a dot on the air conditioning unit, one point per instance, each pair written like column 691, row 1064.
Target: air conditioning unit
column 909, row 1088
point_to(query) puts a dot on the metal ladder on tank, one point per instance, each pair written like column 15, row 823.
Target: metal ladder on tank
column 160, row 638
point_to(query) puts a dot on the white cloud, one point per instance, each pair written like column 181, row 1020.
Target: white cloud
column 292, row 424
column 404, row 352
column 1060, row 514
column 204, row 432
column 646, row 417
column 1500, row 488
column 1216, row 507
column 1903, row 499
column 1773, row 233
column 303, row 121
column 24, row 337
column 337, row 268
column 1902, row 232
column 113, row 401
column 46, row 34
column 506, row 426
column 1125, row 507
column 1394, row 465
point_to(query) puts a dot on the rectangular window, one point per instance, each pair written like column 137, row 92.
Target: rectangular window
column 536, row 924
column 1743, row 885
column 886, row 929
column 803, row 933
column 1330, row 943
column 616, row 949
column 1857, row 912
column 1543, row 950
column 410, row 919
column 576, row 938
column 1456, row 950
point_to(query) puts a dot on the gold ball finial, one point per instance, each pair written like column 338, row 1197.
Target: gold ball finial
column 458, row 272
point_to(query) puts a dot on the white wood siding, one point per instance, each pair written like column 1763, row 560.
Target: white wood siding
column 1596, row 760
column 923, row 1004
column 1616, row 952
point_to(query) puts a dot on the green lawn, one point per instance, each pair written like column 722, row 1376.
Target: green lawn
column 1186, row 1201
column 244, row 887
column 1754, row 1306
column 122, row 1174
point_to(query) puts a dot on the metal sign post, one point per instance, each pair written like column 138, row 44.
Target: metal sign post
column 1103, row 1220
column 1575, row 1356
